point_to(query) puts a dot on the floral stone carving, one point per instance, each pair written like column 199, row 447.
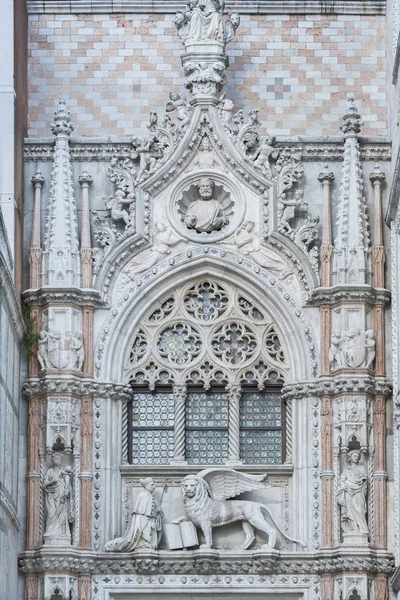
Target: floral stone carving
column 205, row 498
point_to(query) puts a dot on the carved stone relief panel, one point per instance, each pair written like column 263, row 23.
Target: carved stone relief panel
column 60, row 344
column 206, row 206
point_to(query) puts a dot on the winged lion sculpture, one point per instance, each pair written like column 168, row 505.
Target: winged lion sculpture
column 206, row 494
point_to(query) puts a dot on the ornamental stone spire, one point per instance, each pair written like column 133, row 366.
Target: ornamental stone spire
column 352, row 244
column 61, row 262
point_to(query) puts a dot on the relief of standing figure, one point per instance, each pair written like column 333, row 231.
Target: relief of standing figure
column 57, row 487
column 352, row 495
column 145, row 527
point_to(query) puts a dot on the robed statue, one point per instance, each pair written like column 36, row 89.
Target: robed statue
column 144, row 530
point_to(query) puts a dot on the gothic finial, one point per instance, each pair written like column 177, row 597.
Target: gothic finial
column 37, row 179
column 352, row 121
column 377, row 174
column 326, row 175
column 62, row 121
column 85, row 178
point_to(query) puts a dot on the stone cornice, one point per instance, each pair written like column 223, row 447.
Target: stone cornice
column 79, row 296
column 85, row 149
column 333, row 386
column 349, row 293
column 76, row 386
column 355, row 7
column 207, row 562
column 182, row 470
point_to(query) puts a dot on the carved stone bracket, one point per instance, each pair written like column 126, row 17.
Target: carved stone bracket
column 338, row 385
column 206, row 562
column 76, row 387
column 334, row 295
column 45, row 296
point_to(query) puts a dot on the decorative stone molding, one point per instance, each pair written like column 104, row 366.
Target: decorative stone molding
column 336, row 295
column 75, row 387
column 35, row 250
column 338, row 385
column 78, row 297
column 208, row 562
column 95, row 151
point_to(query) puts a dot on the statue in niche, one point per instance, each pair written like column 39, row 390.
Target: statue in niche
column 164, row 238
column 42, row 355
column 205, row 496
column 250, row 246
column 145, row 527
column 369, row 348
column 77, row 351
column 177, row 103
column 57, row 486
column 205, row 214
column 352, row 495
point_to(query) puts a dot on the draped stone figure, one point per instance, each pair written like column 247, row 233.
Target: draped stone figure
column 206, row 214
column 352, row 496
column 57, row 487
column 145, row 527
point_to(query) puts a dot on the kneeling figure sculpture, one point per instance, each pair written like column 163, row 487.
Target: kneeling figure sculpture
column 205, row 498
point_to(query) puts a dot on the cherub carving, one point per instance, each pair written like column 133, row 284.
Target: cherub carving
column 142, row 150
column 264, row 153
column 116, row 205
column 205, row 498
column 287, row 209
column 177, row 103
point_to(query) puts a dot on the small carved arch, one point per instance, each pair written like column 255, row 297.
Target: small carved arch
column 57, row 595
column 354, row 595
column 59, row 444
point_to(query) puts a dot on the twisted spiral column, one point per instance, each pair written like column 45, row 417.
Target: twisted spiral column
column 180, row 395
column 234, row 392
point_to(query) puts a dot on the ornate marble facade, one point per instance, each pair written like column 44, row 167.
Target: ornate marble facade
column 209, row 394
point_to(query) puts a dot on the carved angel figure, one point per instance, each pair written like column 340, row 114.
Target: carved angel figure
column 116, row 206
column 205, row 498
column 249, row 245
column 164, row 238
column 142, row 150
column 287, row 209
column 263, row 154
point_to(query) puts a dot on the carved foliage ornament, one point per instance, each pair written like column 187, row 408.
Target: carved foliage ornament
column 206, row 332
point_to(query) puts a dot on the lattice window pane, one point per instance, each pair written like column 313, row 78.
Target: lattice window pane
column 261, row 438
column 207, row 417
column 261, row 447
column 152, row 428
column 260, row 409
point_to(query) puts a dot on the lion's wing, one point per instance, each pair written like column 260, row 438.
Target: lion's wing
column 228, row 483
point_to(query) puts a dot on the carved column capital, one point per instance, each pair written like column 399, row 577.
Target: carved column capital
column 37, row 179
column 326, row 176
column 85, row 179
column 377, row 176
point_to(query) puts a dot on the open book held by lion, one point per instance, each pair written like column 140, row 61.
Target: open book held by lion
column 205, row 496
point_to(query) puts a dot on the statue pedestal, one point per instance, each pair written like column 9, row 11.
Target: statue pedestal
column 355, row 539
column 57, row 541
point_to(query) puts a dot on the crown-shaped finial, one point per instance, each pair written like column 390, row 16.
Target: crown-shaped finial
column 62, row 121
column 352, row 121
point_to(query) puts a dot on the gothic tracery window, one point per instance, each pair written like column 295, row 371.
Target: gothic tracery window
column 206, row 366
